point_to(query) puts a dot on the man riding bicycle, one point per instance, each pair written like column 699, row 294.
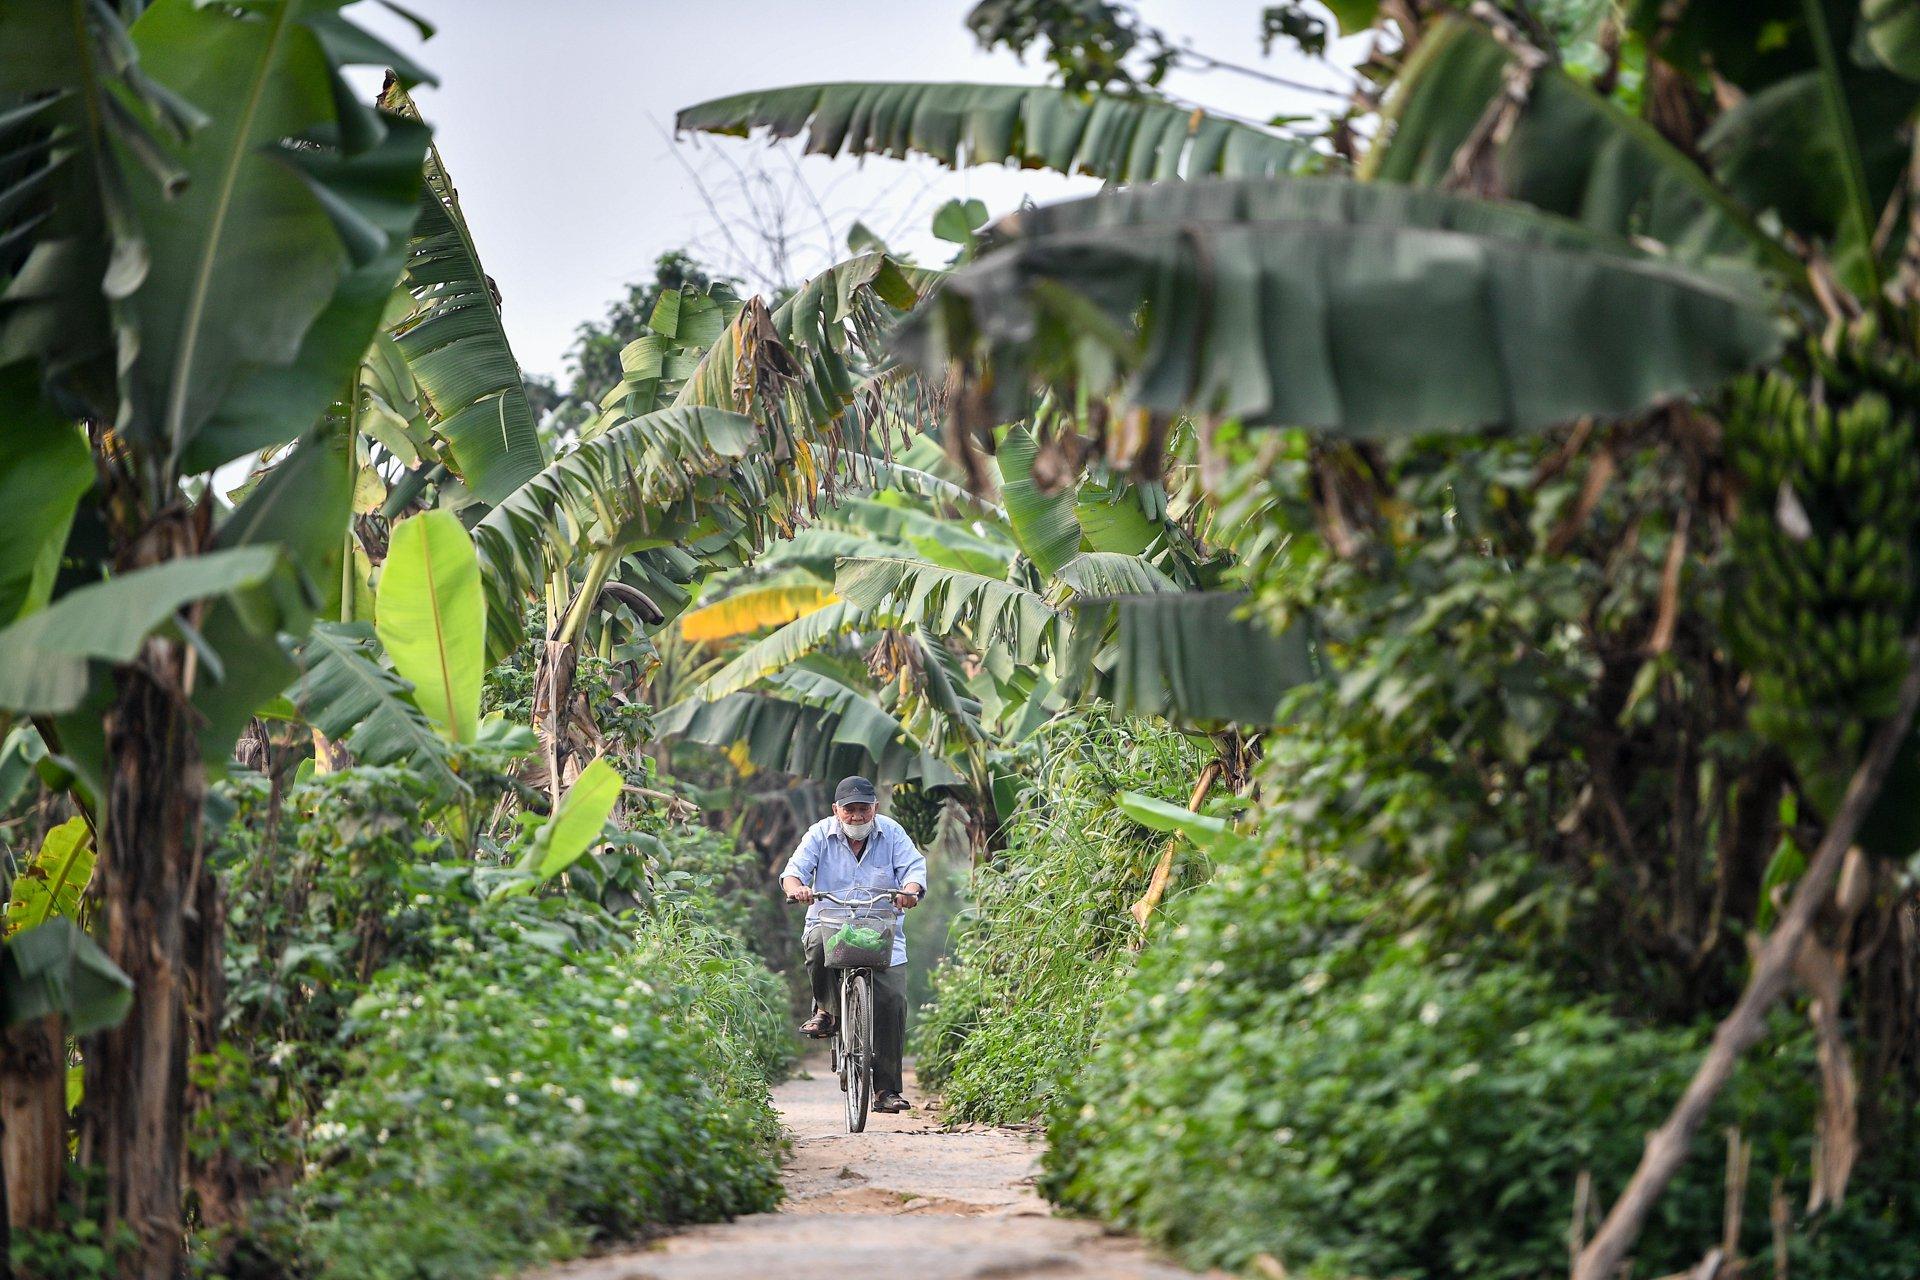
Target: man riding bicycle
column 858, row 849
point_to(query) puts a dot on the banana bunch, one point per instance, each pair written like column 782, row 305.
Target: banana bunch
column 1823, row 547
column 917, row 811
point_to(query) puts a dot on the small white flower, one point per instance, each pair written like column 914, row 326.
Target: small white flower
column 512, row 1099
column 621, row 1002
column 493, row 1082
column 516, row 1076
column 312, row 1168
column 492, row 988
column 1283, row 1136
column 1314, row 982
column 419, row 1002
column 624, row 1087
column 1464, row 1072
column 569, row 969
column 619, row 1031
column 1429, row 1014
column 422, row 899
column 446, row 1104
column 381, row 1136
column 578, row 1105
column 540, row 1024
column 281, row 1052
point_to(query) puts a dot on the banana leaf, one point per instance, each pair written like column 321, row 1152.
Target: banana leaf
column 1032, row 127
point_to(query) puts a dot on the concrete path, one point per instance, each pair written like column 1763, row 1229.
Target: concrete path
column 905, row 1200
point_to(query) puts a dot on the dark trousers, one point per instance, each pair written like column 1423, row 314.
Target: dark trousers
column 889, row 1009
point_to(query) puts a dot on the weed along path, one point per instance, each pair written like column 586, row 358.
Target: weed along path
column 904, row 1199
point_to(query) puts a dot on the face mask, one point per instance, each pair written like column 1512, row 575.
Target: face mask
column 855, row 830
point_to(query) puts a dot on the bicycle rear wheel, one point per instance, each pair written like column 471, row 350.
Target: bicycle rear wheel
column 857, row 996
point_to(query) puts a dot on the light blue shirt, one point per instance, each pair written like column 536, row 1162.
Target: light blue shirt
column 824, row 861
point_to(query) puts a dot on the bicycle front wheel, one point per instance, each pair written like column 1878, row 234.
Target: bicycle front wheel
column 857, row 1022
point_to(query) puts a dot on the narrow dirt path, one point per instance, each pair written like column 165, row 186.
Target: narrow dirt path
column 903, row 1201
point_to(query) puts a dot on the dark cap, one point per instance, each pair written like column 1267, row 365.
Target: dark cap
column 855, row 790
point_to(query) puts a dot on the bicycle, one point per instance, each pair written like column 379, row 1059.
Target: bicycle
column 852, row 1043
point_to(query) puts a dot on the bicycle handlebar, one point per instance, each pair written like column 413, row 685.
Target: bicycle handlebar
column 884, row 895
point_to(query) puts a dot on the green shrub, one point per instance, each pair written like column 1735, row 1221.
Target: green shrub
column 515, row 1105
column 373, row 989
column 1047, row 933
column 1280, row 1076
column 721, row 992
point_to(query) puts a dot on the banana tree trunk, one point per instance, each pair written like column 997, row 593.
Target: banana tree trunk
column 33, row 1117
column 552, row 710
column 160, row 926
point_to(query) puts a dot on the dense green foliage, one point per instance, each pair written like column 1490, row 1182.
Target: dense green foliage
column 1283, row 1076
column 1046, row 935
column 502, row 1109
column 472, row 1086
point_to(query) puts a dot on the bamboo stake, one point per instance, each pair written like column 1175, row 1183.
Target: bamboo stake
column 1772, row 970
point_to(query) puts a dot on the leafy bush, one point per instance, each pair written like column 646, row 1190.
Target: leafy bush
column 1048, row 930
column 514, row 1106
column 540, row 1067
column 1282, row 1076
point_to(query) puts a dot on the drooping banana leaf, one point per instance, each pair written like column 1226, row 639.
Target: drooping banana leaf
column 1109, row 573
column 57, row 969
column 1032, row 127
column 753, row 609
column 940, row 600
column 1187, row 657
column 800, row 367
column 883, row 474
column 804, row 740
column 1353, row 309
column 456, row 345
column 344, row 692
column 1045, row 523
column 44, row 657
column 673, row 476
column 817, row 549
column 1570, row 152
column 780, row 650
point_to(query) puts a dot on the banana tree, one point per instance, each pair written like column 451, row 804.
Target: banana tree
column 1520, row 248
column 963, row 624
column 187, row 277
column 652, row 498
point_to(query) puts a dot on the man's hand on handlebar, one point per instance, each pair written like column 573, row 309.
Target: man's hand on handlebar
column 909, row 898
column 796, row 891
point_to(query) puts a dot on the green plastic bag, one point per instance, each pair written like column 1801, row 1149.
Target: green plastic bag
column 859, row 937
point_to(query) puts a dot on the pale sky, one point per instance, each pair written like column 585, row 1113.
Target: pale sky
column 554, row 118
